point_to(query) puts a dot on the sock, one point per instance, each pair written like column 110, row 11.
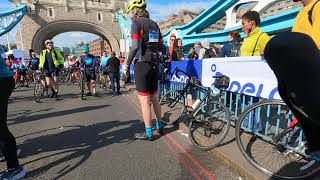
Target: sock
column 158, row 124
column 149, row 131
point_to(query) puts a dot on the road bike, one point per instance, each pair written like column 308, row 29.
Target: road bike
column 206, row 117
column 40, row 90
column 270, row 138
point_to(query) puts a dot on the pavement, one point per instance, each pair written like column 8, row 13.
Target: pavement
column 93, row 139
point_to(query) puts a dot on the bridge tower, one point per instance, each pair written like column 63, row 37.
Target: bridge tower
column 48, row 18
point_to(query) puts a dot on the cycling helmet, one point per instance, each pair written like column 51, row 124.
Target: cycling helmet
column 49, row 41
column 85, row 48
column 135, row 3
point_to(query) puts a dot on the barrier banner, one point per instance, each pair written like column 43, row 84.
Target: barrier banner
column 248, row 75
column 192, row 67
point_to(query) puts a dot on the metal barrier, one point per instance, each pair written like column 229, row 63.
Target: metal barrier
column 275, row 119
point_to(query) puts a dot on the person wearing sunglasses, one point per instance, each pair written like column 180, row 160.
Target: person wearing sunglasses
column 51, row 61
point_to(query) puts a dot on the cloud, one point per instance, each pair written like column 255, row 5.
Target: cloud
column 161, row 11
column 12, row 36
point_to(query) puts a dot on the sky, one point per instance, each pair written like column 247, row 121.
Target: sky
column 159, row 10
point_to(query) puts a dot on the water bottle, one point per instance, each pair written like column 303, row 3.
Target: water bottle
column 196, row 104
column 189, row 100
column 215, row 91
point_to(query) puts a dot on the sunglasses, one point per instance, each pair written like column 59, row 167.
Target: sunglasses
column 172, row 39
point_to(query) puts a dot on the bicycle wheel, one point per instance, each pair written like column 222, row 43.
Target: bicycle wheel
column 39, row 91
column 210, row 125
column 82, row 85
column 265, row 141
column 173, row 108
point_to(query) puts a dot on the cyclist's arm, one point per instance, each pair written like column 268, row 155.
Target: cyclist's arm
column 136, row 38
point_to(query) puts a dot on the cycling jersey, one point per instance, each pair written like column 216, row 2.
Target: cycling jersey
column 34, row 63
column 147, row 42
column 89, row 61
column 104, row 61
column 147, row 33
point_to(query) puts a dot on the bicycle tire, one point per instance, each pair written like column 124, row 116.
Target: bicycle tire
column 172, row 113
column 38, row 91
column 217, row 123
column 281, row 151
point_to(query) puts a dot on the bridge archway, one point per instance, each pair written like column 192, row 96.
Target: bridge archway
column 54, row 28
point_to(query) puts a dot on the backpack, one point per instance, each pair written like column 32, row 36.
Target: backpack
column 235, row 50
column 209, row 53
column 311, row 11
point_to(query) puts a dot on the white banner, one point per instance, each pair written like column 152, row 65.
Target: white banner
column 248, row 75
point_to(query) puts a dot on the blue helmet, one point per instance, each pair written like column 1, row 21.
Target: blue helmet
column 85, row 48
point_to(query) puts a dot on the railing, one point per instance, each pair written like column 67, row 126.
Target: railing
column 275, row 118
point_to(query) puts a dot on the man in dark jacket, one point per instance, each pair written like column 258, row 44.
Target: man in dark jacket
column 114, row 64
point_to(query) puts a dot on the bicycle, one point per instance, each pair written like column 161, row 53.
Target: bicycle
column 205, row 115
column 269, row 137
column 40, row 87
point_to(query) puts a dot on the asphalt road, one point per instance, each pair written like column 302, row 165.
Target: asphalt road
column 93, row 139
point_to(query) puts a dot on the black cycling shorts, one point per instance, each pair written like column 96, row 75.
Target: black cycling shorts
column 90, row 74
column 145, row 74
column 54, row 73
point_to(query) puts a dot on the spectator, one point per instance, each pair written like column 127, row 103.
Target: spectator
column 194, row 51
column 114, row 73
column 9, row 61
column 171, row 45
column 177, row 54
column 255, row 42
column 231, row 49
column 207, row 51
column 308, row 20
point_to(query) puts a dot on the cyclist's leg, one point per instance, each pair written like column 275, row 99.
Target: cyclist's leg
column 155, row 96
column 56, row 79
column 93, row 78
column 142, row 70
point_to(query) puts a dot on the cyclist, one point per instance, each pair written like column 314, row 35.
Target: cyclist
column 88, row 61
column 21, row 71
column 308, row 20
column 8, row 144
column 51, row 61
column 146, row 43
column 104, row 60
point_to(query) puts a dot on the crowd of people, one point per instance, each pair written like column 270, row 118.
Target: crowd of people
column 252, row 45
column 281, row 53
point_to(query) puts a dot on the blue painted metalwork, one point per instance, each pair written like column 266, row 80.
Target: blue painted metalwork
column 13, row 17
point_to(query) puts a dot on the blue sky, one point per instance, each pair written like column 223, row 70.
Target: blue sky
column 159, row 10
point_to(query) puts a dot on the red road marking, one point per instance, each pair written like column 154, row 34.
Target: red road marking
column 182, row 149
column 195, row 162
column 183, row 161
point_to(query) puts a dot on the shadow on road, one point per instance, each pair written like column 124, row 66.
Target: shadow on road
column 25, row 118
column 76, row 145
